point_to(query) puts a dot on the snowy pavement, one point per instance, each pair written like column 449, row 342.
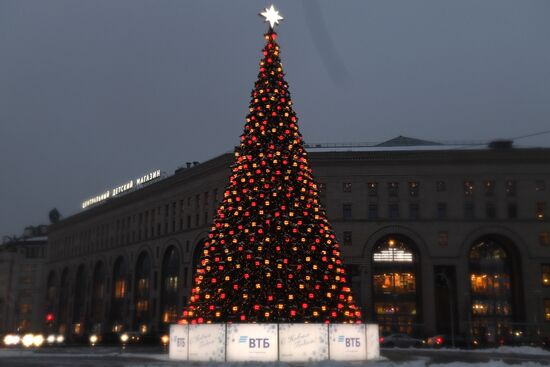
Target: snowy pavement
column 153, row 357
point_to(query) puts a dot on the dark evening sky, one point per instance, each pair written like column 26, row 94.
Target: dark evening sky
column 94, row 93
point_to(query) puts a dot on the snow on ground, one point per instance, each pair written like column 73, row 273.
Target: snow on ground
column 415, row 361
column 524, row 350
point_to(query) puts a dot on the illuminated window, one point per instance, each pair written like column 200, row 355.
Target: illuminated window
column 393, row 189
column 372, row 188
column 540, row 185
column 143, row 284
column 468, row 188
column 443, row 238
column 142, row 305
column 490, row 269
column 544, row 239
column 545, row 275
column 394, row 282
column 547, row 309
column 120, row 288
column 511, row 188
column 440, row 186
column 346, row 186
column 346, row 211
column 489, row 188
column 389, row 283
column 171, row 283
column 24, row 308
column 413, row 189
column 170, row 315
column 540, row 210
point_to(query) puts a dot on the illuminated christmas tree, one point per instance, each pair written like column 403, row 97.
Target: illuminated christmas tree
column 271, row 255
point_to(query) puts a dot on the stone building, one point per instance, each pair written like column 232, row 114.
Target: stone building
column 21, row 293
column 436, row 238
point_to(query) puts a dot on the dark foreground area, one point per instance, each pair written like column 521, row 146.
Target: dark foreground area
column 155, row 357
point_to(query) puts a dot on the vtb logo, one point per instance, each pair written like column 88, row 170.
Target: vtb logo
column 257, row 343
column 349, row 342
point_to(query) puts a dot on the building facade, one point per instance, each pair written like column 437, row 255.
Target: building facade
column 435, row 238
column 21, row 293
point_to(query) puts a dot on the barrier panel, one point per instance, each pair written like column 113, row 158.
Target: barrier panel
column 252, row 342
column 303, row 342
column 274, row 342
column 207, row 342
column 179, row 342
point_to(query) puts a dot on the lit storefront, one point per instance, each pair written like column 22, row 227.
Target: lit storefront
column 394, row 278
column 491, row 291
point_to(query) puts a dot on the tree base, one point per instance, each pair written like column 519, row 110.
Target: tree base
column 274, row 342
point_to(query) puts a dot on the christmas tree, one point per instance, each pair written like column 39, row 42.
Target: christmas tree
column 271, row 255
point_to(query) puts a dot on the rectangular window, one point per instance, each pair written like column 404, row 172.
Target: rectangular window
column 215, row 195
column 547, row 309
column 413, row 189
column 489, row 188
column 512, row 211
column 347, row 238
column 469, row 211
column 540, row 186
column 468, row 188
column 373, row 211
column 346, row 211
column 206, row 198
column 490, row 210
column 540, row 210
column 393, row 189
column 346, row 187
column 372, row 188
column 443, row 238
column 393, row 211
column 544, row 239
column 414, row 211
column 440, row 186
column 545, row 275
column 441, row 210
column 511, row 188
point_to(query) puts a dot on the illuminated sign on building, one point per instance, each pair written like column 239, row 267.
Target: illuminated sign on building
column 122, row 188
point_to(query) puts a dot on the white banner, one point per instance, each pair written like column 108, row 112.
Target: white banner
column 252, row 342
column 373, row 342
column 303, row 342
column 347, row 342
column 207, row 342
column 179, row 342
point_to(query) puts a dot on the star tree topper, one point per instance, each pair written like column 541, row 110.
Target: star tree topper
column 271, row 16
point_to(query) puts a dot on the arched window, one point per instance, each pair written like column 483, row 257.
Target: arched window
column 169, row 287
column 79, row 301
column 395, row 280
column 98, row 297
column 491, row 267
column 118, row 295
column 141, row 293
column 63, row 301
